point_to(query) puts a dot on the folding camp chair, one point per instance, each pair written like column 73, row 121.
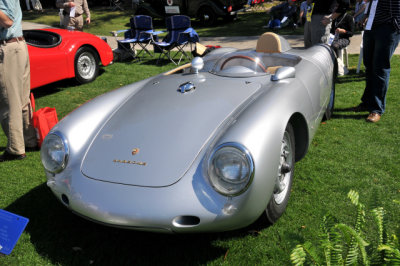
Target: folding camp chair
column 141, row 33
column 179, row 36
column 116, row 4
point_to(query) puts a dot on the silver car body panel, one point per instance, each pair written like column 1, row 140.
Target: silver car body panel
column 152, row 122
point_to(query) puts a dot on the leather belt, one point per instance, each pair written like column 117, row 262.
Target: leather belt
column 21, row 38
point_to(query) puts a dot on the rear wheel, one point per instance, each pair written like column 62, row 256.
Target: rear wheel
column 207, row 16
column 280, row 198
column 86, row 65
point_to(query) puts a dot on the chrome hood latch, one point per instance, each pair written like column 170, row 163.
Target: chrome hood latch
column 186, row 87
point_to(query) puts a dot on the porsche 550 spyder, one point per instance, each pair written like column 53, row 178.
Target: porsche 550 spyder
column 57, row 54
column 209, row 146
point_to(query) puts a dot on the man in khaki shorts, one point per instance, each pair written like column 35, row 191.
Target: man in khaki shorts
column 73, row 10
column 15, row 108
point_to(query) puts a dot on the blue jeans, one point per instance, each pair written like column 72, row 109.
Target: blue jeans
column 379, row 44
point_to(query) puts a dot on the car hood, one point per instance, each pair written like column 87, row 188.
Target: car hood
column 155, row 135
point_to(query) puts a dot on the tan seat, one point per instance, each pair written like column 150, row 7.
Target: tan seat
column 272, row 69
column 269, row 42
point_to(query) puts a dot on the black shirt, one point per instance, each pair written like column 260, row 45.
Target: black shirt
column 344, row 21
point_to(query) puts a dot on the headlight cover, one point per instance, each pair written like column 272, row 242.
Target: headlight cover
column 230, row 169
column 54, row 152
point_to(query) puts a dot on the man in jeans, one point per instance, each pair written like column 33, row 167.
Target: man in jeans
column 381, row 37
column 15, row 108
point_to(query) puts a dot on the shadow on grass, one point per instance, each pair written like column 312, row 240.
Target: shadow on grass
column 58, row 86
column 66, row 239
column 352, row 76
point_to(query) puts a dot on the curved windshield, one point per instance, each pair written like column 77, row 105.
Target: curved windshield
column 240, row 64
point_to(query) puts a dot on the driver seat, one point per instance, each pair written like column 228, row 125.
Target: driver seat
column 269, row 42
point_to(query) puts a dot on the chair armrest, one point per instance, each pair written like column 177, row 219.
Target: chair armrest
column 155, row 32
column 115, row 33
column 192, row 34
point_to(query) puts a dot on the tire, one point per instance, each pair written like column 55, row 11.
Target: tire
column 230, row 18
column 331, row 104
column 86, row 65
column 207, row 16
column 279, row 200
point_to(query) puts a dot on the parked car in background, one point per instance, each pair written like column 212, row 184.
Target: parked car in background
column 207, row 11
column 57, row 54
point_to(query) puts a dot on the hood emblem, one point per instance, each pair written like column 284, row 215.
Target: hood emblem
column 129, row 162
column 134, row 152
column 186, row 87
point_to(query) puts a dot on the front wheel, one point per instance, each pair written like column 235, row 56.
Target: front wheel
column 86, row 65
column 280, row 198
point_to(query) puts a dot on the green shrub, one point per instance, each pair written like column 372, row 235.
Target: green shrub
column 341, row 244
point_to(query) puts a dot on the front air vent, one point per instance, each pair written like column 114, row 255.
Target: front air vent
column 186, row 221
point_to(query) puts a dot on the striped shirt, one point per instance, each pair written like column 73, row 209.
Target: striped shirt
column 385, row 10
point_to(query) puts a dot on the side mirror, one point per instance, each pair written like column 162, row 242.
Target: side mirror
column 284, row 73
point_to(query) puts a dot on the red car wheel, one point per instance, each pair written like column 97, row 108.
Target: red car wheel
column 86, row 65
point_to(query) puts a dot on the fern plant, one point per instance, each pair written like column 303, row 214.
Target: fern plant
column 342, row 244
column 391, row 247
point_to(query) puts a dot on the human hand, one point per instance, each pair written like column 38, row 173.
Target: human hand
column 340, row 30
column 88, row 20
column 326, row 20
column 71, row 4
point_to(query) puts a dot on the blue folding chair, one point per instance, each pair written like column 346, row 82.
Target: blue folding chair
column 180, row 35
column 141, row 33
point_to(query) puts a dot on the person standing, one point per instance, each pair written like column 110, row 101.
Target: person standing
column 380, row 39
column 322, row 14
column 73, row 11
column 304, row 7
column 15, row 108
column 359, row 12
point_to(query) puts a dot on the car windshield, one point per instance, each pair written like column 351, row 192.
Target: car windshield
column 240, row 64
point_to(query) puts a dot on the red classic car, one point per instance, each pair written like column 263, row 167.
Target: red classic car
column 57, row 54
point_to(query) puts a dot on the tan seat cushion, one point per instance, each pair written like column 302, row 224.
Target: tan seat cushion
column 269, row 42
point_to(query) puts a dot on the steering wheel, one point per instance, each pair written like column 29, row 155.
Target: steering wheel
column 243, row 57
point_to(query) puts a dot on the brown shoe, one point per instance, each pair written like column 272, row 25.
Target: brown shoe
column 360, row 108
column 373, row 117
column 6, row 156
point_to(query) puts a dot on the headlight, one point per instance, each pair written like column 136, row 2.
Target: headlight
column 230, row 169
column 54, row 152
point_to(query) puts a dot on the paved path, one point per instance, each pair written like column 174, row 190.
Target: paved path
column 236, row 42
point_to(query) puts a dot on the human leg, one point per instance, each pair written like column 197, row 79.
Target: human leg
column 378, row 55
column 27, row 112
column 12, row 99
column 307, row 35
column 28, row 7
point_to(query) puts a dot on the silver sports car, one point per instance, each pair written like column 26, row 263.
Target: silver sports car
column 208, row 146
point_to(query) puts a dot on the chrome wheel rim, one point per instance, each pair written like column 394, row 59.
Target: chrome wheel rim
column 86, row 65
column 285, row 170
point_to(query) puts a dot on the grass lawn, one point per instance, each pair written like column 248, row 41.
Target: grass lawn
column 346, row 153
